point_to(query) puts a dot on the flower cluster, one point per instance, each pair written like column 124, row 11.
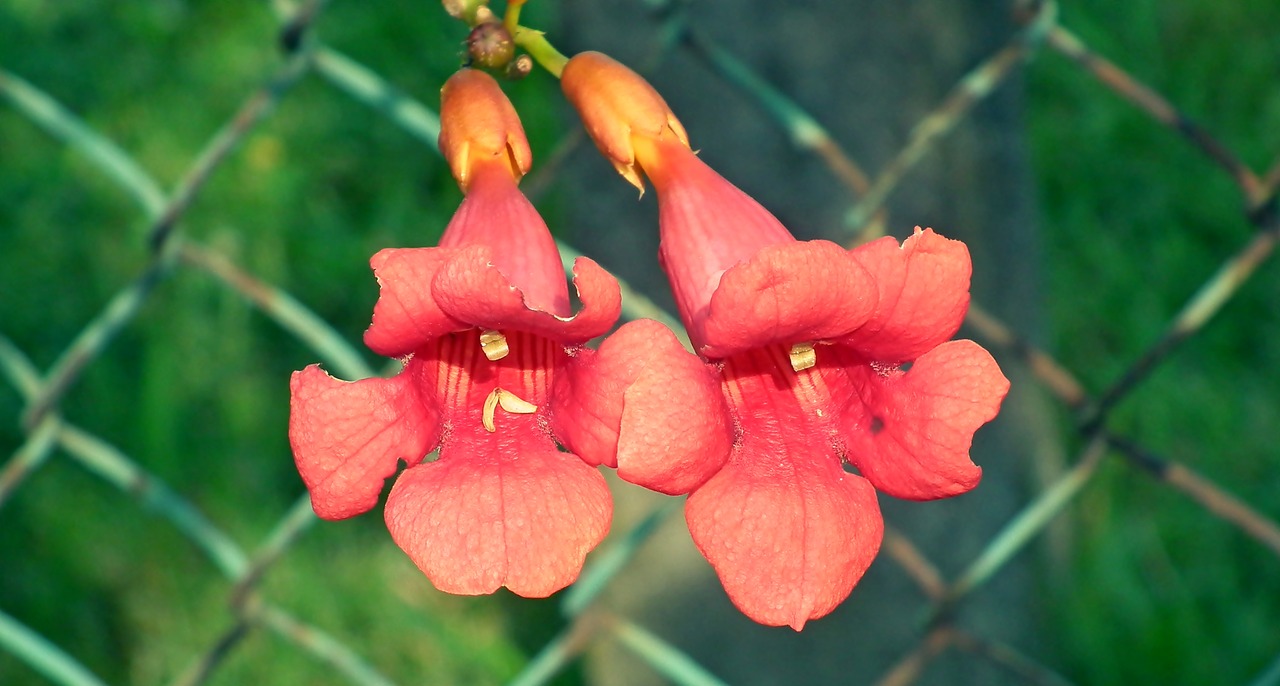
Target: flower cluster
column 819, row 375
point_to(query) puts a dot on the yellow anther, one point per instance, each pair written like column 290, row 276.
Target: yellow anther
column 494, row 345
column 803, row 356
column 506, row 400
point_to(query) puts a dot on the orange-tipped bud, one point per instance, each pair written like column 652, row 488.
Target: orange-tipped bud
column 478, row 124
column 616, row 104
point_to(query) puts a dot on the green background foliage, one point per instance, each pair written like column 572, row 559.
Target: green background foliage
column 1135, row 220
column 1147, row 588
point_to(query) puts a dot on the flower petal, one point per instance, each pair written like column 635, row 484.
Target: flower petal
column 349, row 437
column 789, row 535
column 470, row 288
column 788, row 293
column 474, row 521
column 911, row 433
column 923, row 295
column 497, row 215
column 707, row 226
column 405, row 317
column 646, row 405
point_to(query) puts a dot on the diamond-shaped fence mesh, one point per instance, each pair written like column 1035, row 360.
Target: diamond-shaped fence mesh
column 142, row 552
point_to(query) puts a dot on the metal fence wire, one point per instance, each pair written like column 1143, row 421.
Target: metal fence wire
column 47, row 395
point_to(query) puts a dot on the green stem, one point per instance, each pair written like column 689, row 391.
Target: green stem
column 540, row 49
column 511, row 20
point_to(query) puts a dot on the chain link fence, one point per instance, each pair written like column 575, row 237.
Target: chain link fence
column 256, row 625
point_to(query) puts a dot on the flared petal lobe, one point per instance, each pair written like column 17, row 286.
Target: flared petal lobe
column 406, row 316
column 496, row 263
column 348, row 437
column 648, row 407
column 788, row 531
column 472, row 287
column 476, row 522
column 911, row 432
column 497, row 268
column 788, row 293
column 923, row 294
column 788, row 535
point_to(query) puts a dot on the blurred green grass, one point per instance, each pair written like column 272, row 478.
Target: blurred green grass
column 195, row 388
column 1156, row 591
column 1134, row 220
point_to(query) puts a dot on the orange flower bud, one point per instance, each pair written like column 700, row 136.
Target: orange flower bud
column 616, row 104
column 478, row 124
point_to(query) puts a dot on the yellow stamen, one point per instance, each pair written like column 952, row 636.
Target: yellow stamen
column 506, row 400
column 803, row 356
column 494, row 345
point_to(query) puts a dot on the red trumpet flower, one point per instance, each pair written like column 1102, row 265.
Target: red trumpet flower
column 825, row 374
column 484, row 326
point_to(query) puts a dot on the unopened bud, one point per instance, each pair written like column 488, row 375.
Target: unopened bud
column 455, row 8
column 616, row 104
column 490, row 45
column 478, row 123
column 465, row 10
column 520, row 67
